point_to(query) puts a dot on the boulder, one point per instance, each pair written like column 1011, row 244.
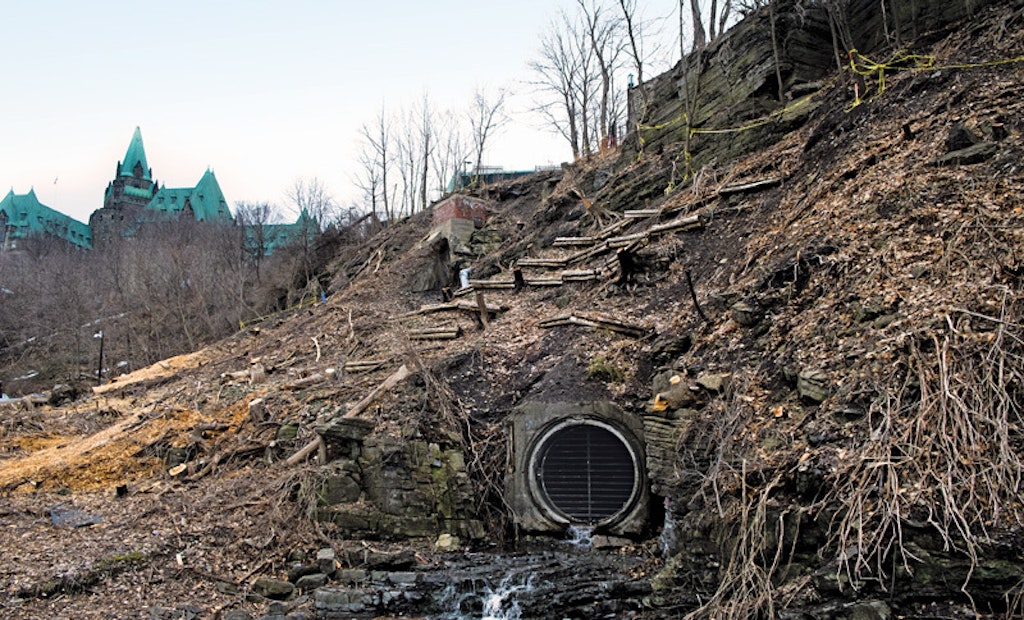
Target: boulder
column 746, row 313
column 973, row 154
column 311, row 582
column 273, row 588
column 814, row 385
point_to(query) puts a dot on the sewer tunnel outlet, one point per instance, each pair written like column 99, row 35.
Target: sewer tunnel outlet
column 584, row 472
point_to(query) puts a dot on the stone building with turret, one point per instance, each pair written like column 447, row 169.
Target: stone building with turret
column 134, row 198
column 22, row 216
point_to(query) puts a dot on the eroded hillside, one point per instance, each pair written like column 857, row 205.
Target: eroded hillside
column 819, row 345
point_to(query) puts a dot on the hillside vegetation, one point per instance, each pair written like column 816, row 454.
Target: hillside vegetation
column 823, row 338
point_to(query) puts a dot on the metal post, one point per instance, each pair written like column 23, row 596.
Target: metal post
column 99, row 368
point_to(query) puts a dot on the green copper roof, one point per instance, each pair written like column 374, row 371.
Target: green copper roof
column 206, row 199
column 277, row 236
column 136, row 155
column 26, row 216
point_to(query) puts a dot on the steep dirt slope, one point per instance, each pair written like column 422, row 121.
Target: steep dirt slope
column 860, row 304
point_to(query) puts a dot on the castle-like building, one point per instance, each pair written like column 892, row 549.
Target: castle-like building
column 23, row 216
column 132, row 199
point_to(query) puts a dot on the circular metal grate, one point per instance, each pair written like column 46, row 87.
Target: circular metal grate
column 587, row 472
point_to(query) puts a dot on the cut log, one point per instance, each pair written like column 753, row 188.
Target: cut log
column 753, row 186
column 637, row 214
column 397, row 377
column 614, row 228
column 364, row 365
column 574, row 241
column 304, row 382
column 483, row 285
column 627, row 240
column 633, row 331
column 481, row 306
column 622, row 328
column 549, row 263
column 544, row 281
column 435, row 333
column 562, row 319
column 580, row 275
column 688, row 222
column 467, row 306
column 588, row 253
column 257, row 411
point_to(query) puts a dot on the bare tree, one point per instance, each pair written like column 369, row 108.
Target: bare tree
column 451, row 151
column 379, row 158
column 406, row 160
column 558, row 76
column 368, row 178
column 567, row 74
column 316, row 209
column 486, row 116
column 580, row 60
column 426, row 124
column 258, row 235
column 312, row 197
column 633, row 32
column 700, row 39
column 604, row 33
column 706, row 26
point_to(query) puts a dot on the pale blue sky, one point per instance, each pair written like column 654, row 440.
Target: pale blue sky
column 262, row 92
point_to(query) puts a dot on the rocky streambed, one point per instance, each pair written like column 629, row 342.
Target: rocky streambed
column 554, row 580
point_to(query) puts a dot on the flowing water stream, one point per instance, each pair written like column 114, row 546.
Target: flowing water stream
column 568, row 579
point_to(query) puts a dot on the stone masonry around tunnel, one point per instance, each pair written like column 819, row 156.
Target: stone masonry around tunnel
column 577, row 464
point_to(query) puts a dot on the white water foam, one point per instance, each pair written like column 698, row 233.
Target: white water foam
column 580, row 536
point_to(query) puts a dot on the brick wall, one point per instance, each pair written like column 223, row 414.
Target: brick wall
column 462, row 208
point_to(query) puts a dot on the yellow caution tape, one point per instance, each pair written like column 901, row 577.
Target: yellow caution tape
column 903, row 61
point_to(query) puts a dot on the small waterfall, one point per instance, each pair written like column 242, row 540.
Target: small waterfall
column 503, row 602
column 480, row 600
column 580, row 536
column 567, row 578
column 668, row 542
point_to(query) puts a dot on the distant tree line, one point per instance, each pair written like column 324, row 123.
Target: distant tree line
column 170, row 288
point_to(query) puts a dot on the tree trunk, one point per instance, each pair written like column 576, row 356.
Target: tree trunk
column 699, row 36
column 775, row 48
